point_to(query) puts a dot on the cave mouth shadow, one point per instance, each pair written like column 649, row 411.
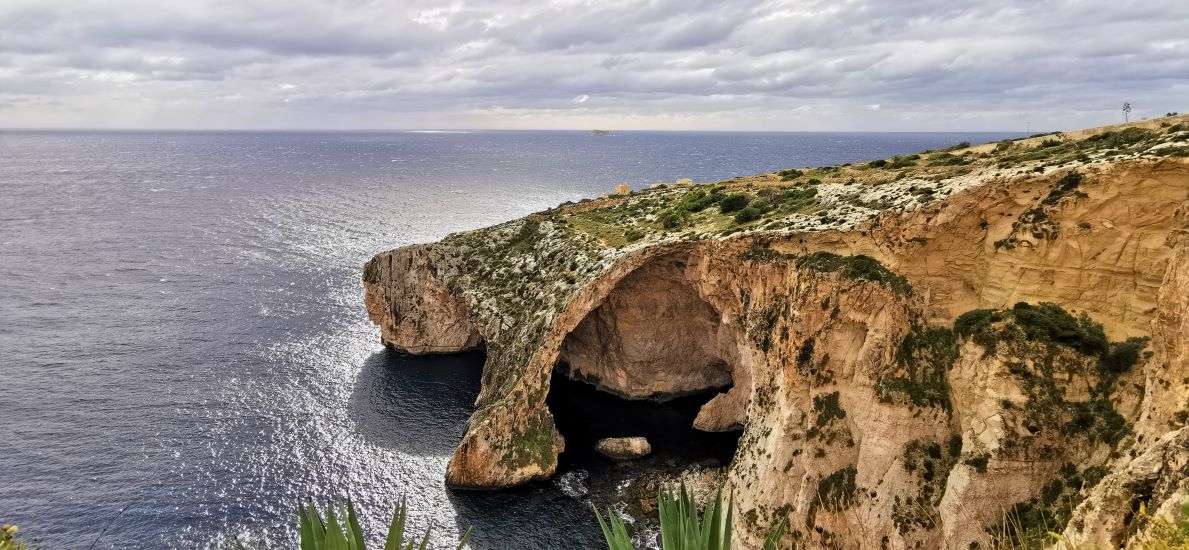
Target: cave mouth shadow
column 584, row 414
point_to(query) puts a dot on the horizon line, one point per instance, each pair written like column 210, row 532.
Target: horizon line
column 477, row 130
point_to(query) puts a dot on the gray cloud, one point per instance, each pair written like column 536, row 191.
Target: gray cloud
column 669, row 64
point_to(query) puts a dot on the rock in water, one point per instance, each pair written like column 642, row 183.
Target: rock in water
column 623, row 448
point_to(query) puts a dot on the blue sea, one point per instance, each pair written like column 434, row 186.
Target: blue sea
column 184, row 353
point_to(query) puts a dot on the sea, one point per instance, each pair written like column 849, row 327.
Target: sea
column 184, row 353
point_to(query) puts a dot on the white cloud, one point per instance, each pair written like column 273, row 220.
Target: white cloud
column 666, row 64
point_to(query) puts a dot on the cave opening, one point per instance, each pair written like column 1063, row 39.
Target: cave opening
column 584, row 415
column 646, row 362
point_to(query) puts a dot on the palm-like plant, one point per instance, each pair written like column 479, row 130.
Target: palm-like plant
column 335, row 532
column 681, row 528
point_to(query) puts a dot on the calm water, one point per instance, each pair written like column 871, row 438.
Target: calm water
column 183, row 351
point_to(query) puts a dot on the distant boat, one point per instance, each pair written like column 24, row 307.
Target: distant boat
column 601, row 132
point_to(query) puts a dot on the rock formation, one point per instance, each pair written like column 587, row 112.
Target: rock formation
column 623, row 448
column 940, row 350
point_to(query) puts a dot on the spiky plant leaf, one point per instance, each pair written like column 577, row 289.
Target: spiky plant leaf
column 356, row 533
column 396, row 530
column 774, row 538
column 614, row 531
column 465, row 537
column 336, row 539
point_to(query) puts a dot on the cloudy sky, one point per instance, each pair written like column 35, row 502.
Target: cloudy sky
column 780, row 65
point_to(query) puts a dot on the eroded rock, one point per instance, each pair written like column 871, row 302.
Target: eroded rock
column 864, row 416
column 623, row 448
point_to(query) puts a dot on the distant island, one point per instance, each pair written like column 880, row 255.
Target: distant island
column 958, row 348
column 601, row 132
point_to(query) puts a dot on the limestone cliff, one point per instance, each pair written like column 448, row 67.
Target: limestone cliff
column 938, row 350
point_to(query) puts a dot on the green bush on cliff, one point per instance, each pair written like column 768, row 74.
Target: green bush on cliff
column 1050, row 323
column 673, row 218
column 923, row 359
column 697, row 199
column 748, row 214
column 1067, row 185
column 1052, row 327
column 790, row 174
column 733, row 203
column 836, row 492
column 526, row 238
column 860, row 268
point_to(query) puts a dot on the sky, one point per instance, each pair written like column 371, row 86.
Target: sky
column 746, row 65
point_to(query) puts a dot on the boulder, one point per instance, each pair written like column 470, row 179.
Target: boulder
column 623, row 448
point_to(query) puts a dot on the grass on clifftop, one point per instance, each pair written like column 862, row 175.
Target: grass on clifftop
column 808, row 199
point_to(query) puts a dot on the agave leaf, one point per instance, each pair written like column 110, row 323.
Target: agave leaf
column 425, row 539
column 465, row 537
column 317, row 529
column 774, row 538
column 305, row 530
column 614, row 531
column 336, row 539
column 712, row 523
column 728, row 525
column 355, row 539
column 396, row 530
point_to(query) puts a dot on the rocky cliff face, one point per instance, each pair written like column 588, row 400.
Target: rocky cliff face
column 934, row 351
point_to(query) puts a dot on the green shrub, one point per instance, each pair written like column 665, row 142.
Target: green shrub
column 877, row 163
column 526, row 238
column 1067, row 185
column 836, row 491
column 790, row 174
column 633, row 235
column 827, row 408
column 1122, row 355
column 978, row 462
column 748, row 214
column 1047, row 322
column 947, row 159
column 976, row 324
column 1120, row 139
column 697, row 199
column 860, row 267
column 673, row 218
column 733, row 202
column 924, row 357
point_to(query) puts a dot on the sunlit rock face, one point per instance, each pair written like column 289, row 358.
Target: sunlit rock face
column 880, row 405
column 623, row 448
column 653, row 337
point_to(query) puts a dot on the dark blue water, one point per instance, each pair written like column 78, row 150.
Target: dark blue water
column 183, row 351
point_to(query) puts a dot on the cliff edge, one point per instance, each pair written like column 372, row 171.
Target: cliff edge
column 947, row 349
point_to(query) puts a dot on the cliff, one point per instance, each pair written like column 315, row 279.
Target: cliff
column 938, row 350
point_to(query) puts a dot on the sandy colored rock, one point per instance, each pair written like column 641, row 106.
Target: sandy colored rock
column 864, row 417
column 623, row 448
